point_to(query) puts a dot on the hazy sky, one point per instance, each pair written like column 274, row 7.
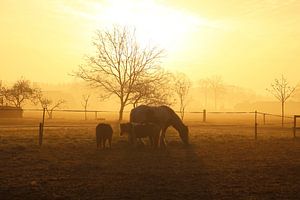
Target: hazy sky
column 249, row 43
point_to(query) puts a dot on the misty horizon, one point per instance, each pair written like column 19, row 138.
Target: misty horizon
column 245, row 99
column 149, row 99
column 247, row 46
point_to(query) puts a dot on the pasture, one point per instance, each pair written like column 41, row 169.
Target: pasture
column 222, row 162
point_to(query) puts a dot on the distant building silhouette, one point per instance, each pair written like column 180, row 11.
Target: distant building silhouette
column 10, row 112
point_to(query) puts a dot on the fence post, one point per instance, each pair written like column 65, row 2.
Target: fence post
column 96, row 115
column 295, row 125
column 41, row 129
column 204, row 115
column 264, row 118
column 41, row 134
column 44, row 116
column 255, row 126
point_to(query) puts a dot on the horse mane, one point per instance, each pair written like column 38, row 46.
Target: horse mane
column 176, row 121
column 154, row 114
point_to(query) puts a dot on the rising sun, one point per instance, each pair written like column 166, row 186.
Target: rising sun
column 154, row 23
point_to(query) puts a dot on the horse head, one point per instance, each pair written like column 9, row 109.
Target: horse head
column 125, row 128
column 184, row 134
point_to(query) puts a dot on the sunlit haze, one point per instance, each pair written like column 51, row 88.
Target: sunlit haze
column 150, row 99
column 248, row 43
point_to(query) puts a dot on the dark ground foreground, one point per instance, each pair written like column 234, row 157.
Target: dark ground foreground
column 220, row 164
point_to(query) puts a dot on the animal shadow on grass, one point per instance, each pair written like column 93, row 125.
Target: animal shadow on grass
column 147, row 173
column 118, row 173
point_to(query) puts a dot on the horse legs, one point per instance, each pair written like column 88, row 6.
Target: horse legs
column 109, row 142
column 151, row 140
column 141, row 142
column 104, row 141
column 132, row 139
column 162, row 138
column 99, row 142
column 156, row 140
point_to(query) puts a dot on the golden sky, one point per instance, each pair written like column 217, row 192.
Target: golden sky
column 248, row 43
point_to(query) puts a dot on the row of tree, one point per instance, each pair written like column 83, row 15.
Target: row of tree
column 18, row 94
column 280, row 89
column 214, row 85
column 22, row 92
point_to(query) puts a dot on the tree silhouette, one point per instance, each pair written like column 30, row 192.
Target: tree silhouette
column 85, row 103
column 296, row 94
column 120, row 62
column 282, row 91
column 217, row 86
column 20, row 93
column 1, row 94
column 50, row 105
column 204, row 87
column 182, row 86
column 153, row 91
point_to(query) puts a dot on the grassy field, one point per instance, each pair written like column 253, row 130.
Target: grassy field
column 222, row 162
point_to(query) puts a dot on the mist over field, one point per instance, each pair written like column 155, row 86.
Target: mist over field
column 149, row 99
column 233, row 98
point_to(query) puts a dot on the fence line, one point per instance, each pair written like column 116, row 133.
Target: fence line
column 274, row 115
column 20, row 126
column 204, row 113
column 70, row 110
column 204, row 119
column 126, row 111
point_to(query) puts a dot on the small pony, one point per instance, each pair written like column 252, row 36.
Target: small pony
column 134, row 131
column 103, row 132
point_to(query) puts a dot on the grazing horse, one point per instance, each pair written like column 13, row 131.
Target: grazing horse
column 163, row 116
column 150, row 130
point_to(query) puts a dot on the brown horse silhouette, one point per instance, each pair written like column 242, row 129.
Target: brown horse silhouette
column 163, row 116
column 150, row 130
column 103, row 132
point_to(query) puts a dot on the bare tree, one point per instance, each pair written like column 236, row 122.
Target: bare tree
column 217, row 86
column 153, row 91
column 204, row 87
column 182, row 86
column 20, row 93
column 85, row 103
column 282, row 91
column 50, row 105
column 1, row 100
column 296, row 94
column 1, row 94
column 120, row 62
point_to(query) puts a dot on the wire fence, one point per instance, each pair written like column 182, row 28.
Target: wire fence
column 258, row 122
column 197, row 116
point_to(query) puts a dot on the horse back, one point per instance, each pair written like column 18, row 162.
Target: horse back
column 146, row 129
column 147, row 114
column 104, row 130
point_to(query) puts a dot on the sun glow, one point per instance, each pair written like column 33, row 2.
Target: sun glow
column 155, row 23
